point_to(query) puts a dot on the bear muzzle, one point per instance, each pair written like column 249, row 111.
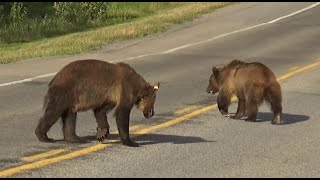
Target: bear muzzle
column 149, row 113
column 209, row 90
column 223, row 112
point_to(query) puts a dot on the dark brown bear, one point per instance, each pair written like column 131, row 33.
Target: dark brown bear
column 252, row 83
column 100, row 86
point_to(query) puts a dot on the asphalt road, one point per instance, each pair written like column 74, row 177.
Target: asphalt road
column 203, row 145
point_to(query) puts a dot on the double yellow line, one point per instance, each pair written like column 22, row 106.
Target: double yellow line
column 98, row 147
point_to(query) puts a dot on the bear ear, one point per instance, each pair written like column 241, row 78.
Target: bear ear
column 156, row 86
column 215, row 70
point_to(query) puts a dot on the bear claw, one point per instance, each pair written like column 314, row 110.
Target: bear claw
column 102, row 133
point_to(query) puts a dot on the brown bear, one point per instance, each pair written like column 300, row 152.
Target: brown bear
column 252, row 83
column 98, row 85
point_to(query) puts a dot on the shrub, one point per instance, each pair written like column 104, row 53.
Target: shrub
column 81, row 13
column 18, row 13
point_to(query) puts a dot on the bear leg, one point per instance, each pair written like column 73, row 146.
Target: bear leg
column 252, row 110
column 241, row 111
column 122, row 119
column 102, row 121
column 49, row 117
column 69, row 126
column 277, row 111
column 40, row 134
column 275, row 99
column 224, row 101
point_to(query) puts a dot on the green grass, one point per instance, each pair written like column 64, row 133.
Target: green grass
column 139, row 22
column 36, row 28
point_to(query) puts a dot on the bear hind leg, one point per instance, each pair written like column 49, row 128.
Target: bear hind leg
column 50, row 117
column 252, row 110
column 275, row 99
column 42, row 129
column 69, row 126
column 254, row 98
column 241, row 111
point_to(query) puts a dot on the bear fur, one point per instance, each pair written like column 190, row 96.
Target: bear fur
column 252, row 83
column 98, row 85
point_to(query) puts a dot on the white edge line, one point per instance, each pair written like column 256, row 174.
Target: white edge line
column 180, row 47
column 211, row 39
column 27, row 80
column 294, row 13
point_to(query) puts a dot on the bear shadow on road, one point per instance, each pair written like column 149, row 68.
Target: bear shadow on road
column 174, row 139
column 285, row 119
column 148, row 139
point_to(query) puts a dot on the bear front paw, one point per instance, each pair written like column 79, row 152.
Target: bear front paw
column 130, row 144
column 102, row 133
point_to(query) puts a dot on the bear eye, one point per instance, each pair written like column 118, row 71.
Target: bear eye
column 142, row 98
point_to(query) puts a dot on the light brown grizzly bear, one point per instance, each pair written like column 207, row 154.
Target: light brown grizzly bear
column 98, row 85
column 252, row 83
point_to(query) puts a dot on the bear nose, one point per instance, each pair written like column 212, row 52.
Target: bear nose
column 209, row 90
column 223, row 112
column 151, row 113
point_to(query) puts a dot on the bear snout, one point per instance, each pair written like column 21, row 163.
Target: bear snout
column 209, row 90
column 223, row 112
column 149, row 114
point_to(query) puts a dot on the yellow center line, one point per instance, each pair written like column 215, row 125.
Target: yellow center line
column 44, row 155
column 135, row 127
column 58, row 151
column 41, row 163
column 293, row 68
column 186, row 109
column 98, row 147
column 176, row 120
column 286, row 76
column 131, row 128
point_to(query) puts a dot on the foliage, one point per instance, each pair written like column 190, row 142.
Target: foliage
column 30, row 21
column 81, row 12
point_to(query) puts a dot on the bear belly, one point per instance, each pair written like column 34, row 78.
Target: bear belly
column 85, row 103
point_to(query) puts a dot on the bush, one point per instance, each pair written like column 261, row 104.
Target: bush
column 81, row 13
column 30, row 21
column 18, row 13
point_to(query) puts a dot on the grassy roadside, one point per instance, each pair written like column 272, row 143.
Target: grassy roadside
column 85, row 41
